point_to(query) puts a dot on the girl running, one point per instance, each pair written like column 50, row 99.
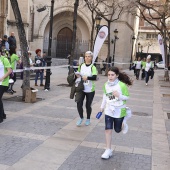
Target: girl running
column 114, row 98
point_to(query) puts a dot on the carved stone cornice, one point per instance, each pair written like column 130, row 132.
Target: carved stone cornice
column 13, row 23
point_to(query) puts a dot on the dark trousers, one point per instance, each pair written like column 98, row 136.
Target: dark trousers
column 143, row 74
column 2, row 90
column 137, row 73
column 146, row 76
column 89, row 99
column 117, row 123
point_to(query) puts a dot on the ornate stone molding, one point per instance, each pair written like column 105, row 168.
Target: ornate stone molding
column 62, row 9
column 13, row 23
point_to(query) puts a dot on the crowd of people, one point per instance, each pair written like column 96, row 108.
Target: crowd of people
column 146, row 66
column 10, row 61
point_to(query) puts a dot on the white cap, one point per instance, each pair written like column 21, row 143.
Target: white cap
column 149, row 56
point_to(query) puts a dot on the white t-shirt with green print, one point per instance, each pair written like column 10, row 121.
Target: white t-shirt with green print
column 89, row 71
column 4, row 64
column 115, row 107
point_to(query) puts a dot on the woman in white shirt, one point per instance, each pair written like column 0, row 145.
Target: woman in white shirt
column 138, row 68
column 149, row 65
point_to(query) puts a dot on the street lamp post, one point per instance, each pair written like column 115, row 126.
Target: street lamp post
column 141, row 51
column 114, row 41
column 48, row 59
column 138, row 46
column 133, row 39
column 48, row 72
column 98, row 20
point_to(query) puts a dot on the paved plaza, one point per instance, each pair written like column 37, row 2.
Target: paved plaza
column 44, row 135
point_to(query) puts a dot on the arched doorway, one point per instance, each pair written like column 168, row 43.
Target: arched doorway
column 64, row 42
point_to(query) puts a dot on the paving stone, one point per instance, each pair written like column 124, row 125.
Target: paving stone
column 14, row 148
column 67, row 102
column 33, row 125
column 15, row 106
column 133, row 138
column 84, row 158
column 56, row 112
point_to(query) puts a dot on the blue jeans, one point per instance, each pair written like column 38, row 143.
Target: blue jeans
column 146, row 76
column 41, row 75
column 117, row 123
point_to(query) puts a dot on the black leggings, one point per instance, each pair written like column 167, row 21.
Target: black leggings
column 117, row 123
column 2, row 90
column 89, row 100
column 137, row 73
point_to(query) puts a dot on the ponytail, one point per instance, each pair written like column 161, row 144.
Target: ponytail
column 122, row 76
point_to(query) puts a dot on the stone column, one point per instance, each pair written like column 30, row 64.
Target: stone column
column 3, row 15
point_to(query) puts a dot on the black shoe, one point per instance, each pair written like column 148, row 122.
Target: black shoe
column 1, row 120
column 4, row 116
column 13, row 91
column 9, row 91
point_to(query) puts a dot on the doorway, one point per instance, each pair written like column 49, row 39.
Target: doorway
column 64, row 42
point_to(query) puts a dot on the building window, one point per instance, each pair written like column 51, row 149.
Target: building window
column 146, row 24
column 151, row 36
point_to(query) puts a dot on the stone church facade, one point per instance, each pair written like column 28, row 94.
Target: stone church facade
column 37, row 28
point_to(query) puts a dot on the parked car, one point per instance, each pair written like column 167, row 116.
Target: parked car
column 160, row 65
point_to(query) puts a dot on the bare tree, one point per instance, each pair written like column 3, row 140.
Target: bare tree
column 76, row 4
column 157, row 14
column 91, row 6
column 111, row 11
column 23, row 44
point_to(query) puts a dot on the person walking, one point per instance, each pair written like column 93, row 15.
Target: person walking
column 5, row 71
column 12, row 42
column 114, row 101
column 148, row 69
column 5, row 43
column 138, row 68
column 143, row 68
column 89, row 74
column 39, row 63
column 14, row 60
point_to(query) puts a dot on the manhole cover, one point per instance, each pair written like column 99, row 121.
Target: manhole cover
column 63, row 85
column 19, row 99
column 140, row 114
column 166, row 95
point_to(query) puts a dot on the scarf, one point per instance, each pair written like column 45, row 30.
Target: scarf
column 113, row 83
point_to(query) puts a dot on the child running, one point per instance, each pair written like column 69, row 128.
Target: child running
column 114, row 98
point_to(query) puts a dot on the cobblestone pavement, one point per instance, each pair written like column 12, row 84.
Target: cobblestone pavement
column 44, row 136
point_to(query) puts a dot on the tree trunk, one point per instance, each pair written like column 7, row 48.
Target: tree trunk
column 24, row 45
column 76, row 4
column 92, row 31
column 166, row 72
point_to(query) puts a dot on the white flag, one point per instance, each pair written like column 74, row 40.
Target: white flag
column 161, row 45
column 100, row 38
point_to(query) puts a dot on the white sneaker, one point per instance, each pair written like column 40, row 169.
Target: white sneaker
column 146, row 84
column 125, row 128
column 107, row 154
